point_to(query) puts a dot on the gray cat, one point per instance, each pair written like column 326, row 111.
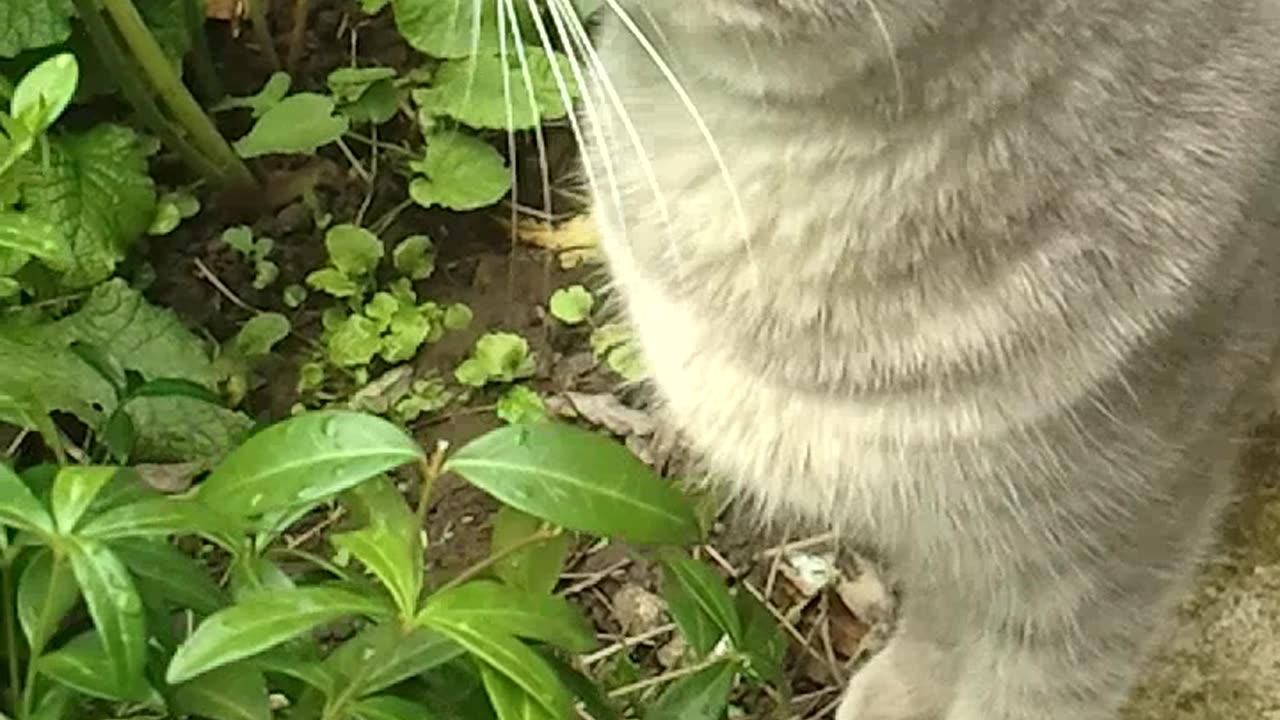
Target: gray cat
column 990, row 285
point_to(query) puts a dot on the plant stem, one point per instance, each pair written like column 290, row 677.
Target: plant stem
column 201, row 57
column 297, row 34
column 477, row 569
column 429, row 469
column 11, row 635
column 258, row 16
column 175, row 95
column 136, row 93
column 29, row 690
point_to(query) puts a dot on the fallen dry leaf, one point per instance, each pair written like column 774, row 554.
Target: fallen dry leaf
column 607, row 411
column 170, row 478
column 574, row 241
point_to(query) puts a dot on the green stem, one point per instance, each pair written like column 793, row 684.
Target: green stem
column 136, row 93
column 261, row 30
column 429, row 469
column 186, row 111
column 11, row 635
column 29, row 690
column 201, row 58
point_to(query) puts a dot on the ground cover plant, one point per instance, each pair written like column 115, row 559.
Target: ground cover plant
column 308, row 412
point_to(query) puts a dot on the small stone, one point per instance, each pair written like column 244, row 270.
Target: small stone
column 672, row 653
column 638, row 610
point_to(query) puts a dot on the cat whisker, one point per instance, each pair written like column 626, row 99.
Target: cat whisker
column 539, row 137
column 891, row 51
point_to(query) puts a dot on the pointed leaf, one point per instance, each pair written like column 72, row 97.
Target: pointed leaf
column 696, row 625
column 56, row 703
column 509, row 700
column 46, row 593
column 508, row 610
column 163, row 516
column 701, row 696
column 707, row 589
column 535, row 567
column 74, row 489
column 384, row 655
column 305, row 459
column 262, row 622
column 233, row 692
column 116, row 609
column 19, row 508
column 390, row 707
column 285, row 662
column 589, row 693
column 390, row 543
column 763, row 642
column 83, row 665
column 177, row 577
column 579, row 480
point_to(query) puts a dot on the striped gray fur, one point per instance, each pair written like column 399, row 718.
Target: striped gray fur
column 989, row 286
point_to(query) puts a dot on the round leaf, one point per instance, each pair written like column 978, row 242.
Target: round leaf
column 578, row 480
column 303, row 460
column 571, row 305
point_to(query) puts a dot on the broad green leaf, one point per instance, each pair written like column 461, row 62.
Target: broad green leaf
column 25, row 233
column 260, row 333
column 460, row 172
column 579, row 480
column 588, row 691
column 297, row 124
column 57, row 702
column 172, row 573
column 571, row 305
column 445, row 29
column 83, row 665
column 696, row 625
column 19, row 508
column 97, row 192
column 232, row 692
column 414, row 257
column 457, row 317
column 272, row 92
column 377, row 105
column 74, row 489
column 509, row 700
column 353, row 250
column 535, row 567
column 176, row 387
column 763, row 642
column 349, row 83
column 167, row 21
column 487, row 91
column 282, row 661
column 30, row 24
column 506, row 655
column 161, row 517
column 253, row 575
column 703, row 695
column 504, row 609
column 116, row 609
column 707, row 589
column 46, row 593
column 390, row 707
column 520, row 404
column 45, row 91
column 262, row 622
column 332, row 281
column 385, row 655
column 497, row 357
column 305, row 459
column 389, row 544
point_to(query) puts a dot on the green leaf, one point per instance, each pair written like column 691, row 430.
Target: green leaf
column 703, row 695
column 506, row 655
column 445, row 29
column 509, row 700
column 628, row 362
column 578, row 480
column 571, row 305
column 116, row 610
column 389, row 545
column 508, row 610
column 349, row 83
column 262, row 622
column 171, row 209
column 415, row 257
column 172, row 573
column 46, row 593
column 707, row 590
column 297, row 124
column 260, row 333
column 272, row 92
column 164, row 516
column 461, row 172
column 588, row 691
column 457, row 317
column 19, row 508
column 74, row 488
column 232, row 692
column 497, row 357
column 45, row 91
column 57, row 702
column 30, row 235
column 763, row 642
column 96, row 190
column 384, row 655
column 354, row 342
column 696, row 625
column 332, row 281
column 520, row 404
column 30, row 24
column 83, row 665
column 240, row 239
column 488, row 91
column 390, row 707
column 377, row 105
column 354, row 251
column 535, row 567
column 303, row 460
column 282, row 661
column 294, row 295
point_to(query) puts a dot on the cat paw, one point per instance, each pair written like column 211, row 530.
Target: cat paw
column 906, row 681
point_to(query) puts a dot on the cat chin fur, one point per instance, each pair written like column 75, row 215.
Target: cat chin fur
column 999, row 314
